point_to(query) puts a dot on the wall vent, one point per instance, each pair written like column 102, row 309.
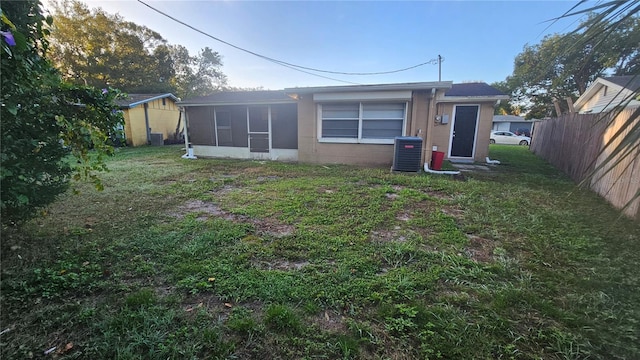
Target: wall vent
column 407, row 153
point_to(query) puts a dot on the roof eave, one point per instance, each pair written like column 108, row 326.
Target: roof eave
column 472, row 98
column 376, row 87
column 221, row 103
column 134, row 104
column 593, row 89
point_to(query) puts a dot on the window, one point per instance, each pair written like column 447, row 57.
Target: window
column 382, row 121
column 362, row 122
column 340, row 121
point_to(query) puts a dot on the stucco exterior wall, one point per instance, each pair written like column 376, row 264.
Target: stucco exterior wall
column 420, row 109
column 162, row 119
column 127, row 128
column 441, row 135
column 134, row 120
column 312, row 151
column 420, row 122
column 484, row 131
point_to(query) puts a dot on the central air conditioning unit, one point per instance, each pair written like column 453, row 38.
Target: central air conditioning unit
column 407, row 154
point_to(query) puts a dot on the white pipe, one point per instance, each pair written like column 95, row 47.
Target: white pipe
column 189, row 154
column 492, row 162
column 441, row 172
column 187, row 144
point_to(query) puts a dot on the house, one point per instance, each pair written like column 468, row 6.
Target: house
column 606, row 93
column 146, row 115
column 513, row 123
column 344, row 124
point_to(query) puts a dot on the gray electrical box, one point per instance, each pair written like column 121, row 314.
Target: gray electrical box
column 445, row 119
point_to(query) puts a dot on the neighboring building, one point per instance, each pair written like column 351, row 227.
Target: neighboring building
column 513, row 123
column 344, row 124
column 147, row 114
column 606, row 93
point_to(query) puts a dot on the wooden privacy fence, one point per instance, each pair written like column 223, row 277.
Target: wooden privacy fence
column 574, row 144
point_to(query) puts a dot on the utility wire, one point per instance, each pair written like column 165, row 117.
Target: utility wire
column 284, row 63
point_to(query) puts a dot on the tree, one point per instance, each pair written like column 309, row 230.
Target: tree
column 509, row 107
column 197, row 75
column 44, row 121
column 563, row 65
column 93, row 47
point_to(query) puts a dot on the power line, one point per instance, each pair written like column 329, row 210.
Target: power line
column 287, row 64
column 282, row 63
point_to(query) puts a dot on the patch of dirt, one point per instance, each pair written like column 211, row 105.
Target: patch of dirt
column 392, row 196
column 403, row 216
column 164, row 290
column 383, row 236
column 324, row 190
column 223, row 190
column 438, row 195
column 480, row 249
column 211, row 303
column 280, row 265
column 453, row 211
column 256, row 170
column 267, row 178
column 201, row 207
column 330, row 321
column 207, row 210
column 267, row 227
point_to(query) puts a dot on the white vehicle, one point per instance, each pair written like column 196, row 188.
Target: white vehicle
column 507, row 137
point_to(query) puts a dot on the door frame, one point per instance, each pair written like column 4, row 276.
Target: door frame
column 259, row 155
column 475, row 134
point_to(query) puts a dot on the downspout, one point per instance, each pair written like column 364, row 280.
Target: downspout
column 187, row 144
column 429, row 126
column 146, row 122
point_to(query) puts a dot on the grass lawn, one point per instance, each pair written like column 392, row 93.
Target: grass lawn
column 227, row 259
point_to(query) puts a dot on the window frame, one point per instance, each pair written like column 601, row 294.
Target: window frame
column 359, row 139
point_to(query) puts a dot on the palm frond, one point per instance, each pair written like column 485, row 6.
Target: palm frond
column 604, row 19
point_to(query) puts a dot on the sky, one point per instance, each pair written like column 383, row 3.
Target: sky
column 478, row 40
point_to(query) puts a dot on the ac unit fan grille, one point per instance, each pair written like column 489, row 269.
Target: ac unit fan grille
column 407, row 154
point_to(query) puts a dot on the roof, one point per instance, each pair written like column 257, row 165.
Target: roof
column 509, row 118
column 473, row 89
column 240, row 98
column 288, row 95
column 631, row 82
column 372, row 87
column 134, row 100
column 626, row 85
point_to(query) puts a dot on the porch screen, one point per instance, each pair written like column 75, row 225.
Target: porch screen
column 223, row 126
